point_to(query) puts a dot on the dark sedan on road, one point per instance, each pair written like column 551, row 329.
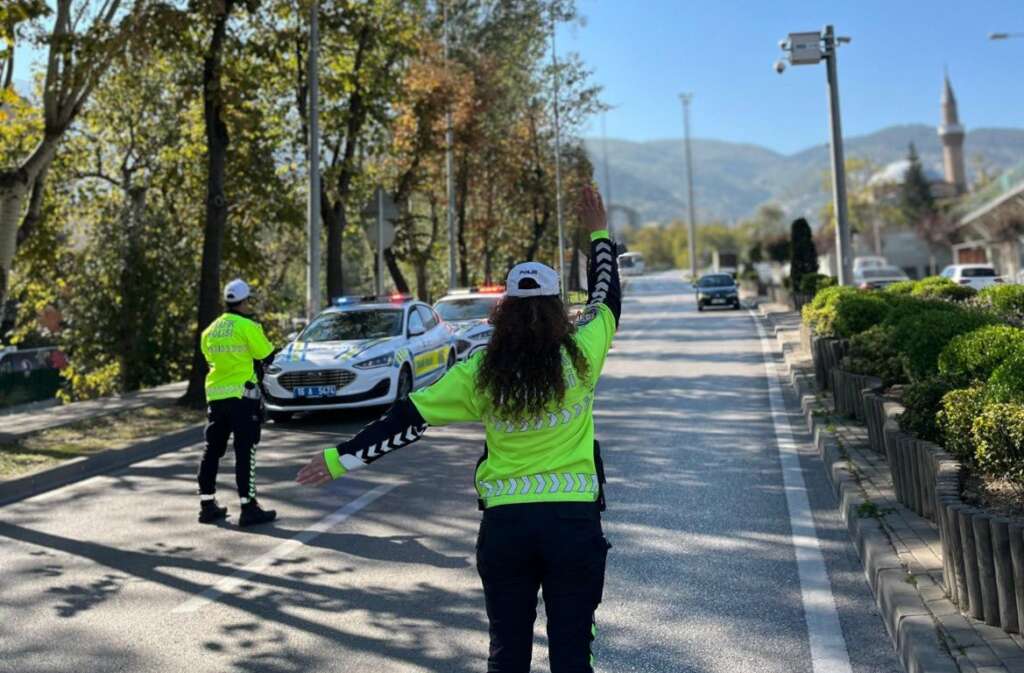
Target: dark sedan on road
column 717, row 289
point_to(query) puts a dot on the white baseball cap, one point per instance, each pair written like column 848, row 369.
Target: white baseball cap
column 236, row 291
column 545, row 281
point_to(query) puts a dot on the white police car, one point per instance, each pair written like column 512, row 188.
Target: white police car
column 466, row 312
column 360, row 352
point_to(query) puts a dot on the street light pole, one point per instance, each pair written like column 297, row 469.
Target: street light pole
column 558, row 165
column 691, row 232
column 843, row 248
column 808, row 49
column 313, row 219
column 449, row 179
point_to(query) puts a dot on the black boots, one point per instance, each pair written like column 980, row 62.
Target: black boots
column 253, row 514
column 210, row 511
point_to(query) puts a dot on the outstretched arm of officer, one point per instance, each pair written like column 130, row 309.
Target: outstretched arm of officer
column 603, row 271
column 401, row 426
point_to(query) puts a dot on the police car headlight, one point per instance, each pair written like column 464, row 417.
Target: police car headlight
column 274, row 369
column 379, row 361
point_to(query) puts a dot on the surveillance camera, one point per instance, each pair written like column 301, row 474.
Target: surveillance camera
column 780, row 66
column 784, row 44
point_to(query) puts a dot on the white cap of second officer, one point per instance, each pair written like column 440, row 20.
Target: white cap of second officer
column 236, row 291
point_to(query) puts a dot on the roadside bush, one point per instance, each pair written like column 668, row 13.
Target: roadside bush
column 921, row 336
column 973, row 357
column 999, row 438
column 1006, row 301
column 845, row 311
column 812, row 283
column 903, row 287
column 936, row 287
column 873, row 352
column 955, row 420
column 1007, row 381
column 922, row 401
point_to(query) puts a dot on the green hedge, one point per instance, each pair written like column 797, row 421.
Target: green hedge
column 921, row 399
column 937, row 287
column 973, row 357
column 955, row 420
column 812, row 283
column 1006, row 301
column 999, row 439
column 922, row 336
column 845, row 311
column 874, row 352
column 903, row 287
column 1007, row 381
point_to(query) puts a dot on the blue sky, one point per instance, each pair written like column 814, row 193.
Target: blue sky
column 644, row 52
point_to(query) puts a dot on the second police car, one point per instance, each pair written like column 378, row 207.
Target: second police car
column 360, row 352
column 466, row 312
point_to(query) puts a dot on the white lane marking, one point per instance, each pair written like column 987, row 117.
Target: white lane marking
column 232, row 582
column 824, row 633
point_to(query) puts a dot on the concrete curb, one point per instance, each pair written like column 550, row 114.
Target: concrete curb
column 908, row 620
column 84, row 467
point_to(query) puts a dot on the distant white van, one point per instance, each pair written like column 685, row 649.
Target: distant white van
column 631, row 264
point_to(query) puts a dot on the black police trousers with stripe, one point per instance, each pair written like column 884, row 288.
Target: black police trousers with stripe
column 558, row 548
column 224, row 418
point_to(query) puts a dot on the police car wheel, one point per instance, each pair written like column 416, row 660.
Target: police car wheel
column 404, row 384
column 279, row 416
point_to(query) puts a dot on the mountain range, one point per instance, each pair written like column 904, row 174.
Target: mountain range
column 732, row 179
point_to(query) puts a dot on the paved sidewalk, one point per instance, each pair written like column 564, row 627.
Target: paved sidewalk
column 976, row 647
column 17, row 425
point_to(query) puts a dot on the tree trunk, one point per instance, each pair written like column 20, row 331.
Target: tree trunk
column 462, row 195
column 133, row 308
column 422, row 280
column 216, row 202
column 334, row 219
column 396, row 273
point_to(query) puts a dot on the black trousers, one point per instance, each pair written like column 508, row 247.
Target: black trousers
column 558, row 548
column 224, row 418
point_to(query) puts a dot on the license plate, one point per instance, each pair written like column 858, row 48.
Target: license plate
column 717, row 300
column 315, row 391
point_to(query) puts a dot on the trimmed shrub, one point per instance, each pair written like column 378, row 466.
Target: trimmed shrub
column 922, row 401
column 803, row 256
column 843, row 312
column 1007, row 301
column 922, row 335
column 812, row 283
column 903, row 287
column 1007, row 381
column 957, row 412
column 973, row 357
column 999, row 438
column 873, row 352
column 937, row 287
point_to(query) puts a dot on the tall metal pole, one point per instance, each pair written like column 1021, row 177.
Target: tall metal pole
column 691, row 232
column 558, row 164
column 607, row 175
column 380, row 240
column 313, row 221
column 843, row 262
column 449, row 178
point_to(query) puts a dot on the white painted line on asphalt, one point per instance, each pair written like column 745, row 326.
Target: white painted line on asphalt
column 232, row 582
column 824, row 633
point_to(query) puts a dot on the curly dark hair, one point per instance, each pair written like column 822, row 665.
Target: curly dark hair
column 522, row 370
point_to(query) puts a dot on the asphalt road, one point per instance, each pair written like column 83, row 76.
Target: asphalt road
column 375, row 573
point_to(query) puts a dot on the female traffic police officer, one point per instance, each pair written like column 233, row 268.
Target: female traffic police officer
column 235, row 349
column 539, row 481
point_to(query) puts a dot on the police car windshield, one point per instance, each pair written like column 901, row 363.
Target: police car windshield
column 352, row 325
column 470, row 308
column 715, row 281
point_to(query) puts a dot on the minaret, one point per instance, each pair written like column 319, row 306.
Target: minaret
column 952, row 135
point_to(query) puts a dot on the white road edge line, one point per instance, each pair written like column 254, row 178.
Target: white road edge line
column 232, row 582
column 824, row 633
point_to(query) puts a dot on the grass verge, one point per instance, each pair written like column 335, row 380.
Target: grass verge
column 47, row 448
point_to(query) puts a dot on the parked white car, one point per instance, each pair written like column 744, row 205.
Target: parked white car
column 978, row 276
column 878, row 277
column 361, row 352
column 466, row 313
